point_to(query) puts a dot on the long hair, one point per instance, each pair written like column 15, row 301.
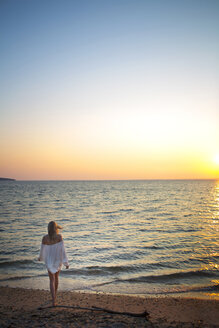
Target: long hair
column 53, row 229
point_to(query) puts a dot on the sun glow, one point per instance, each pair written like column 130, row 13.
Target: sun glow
column 216, row 159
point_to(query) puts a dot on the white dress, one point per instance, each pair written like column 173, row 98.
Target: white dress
column 54, row 256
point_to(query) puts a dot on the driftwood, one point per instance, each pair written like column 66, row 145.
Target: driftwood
column 144, row 314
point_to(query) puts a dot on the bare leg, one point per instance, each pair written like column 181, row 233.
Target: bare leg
column 56, row 282
column 52, row 287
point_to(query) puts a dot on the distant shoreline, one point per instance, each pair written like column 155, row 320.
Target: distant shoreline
column 104, row 180
column 7, row 179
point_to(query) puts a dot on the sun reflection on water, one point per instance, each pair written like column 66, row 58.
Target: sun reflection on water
column 215, row 216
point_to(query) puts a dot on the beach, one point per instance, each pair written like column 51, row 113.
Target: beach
column 32, row 308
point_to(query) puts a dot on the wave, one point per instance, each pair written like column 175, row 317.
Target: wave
column 179, row 289
column 173, row 277
column 16, row 263
column 173, row 283
column 182, row 290
column 15, row 278
column 118, row 211
column 110, row 270
column 100, row 270
column 109, row 212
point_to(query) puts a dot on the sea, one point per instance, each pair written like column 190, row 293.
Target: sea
column 145, row 237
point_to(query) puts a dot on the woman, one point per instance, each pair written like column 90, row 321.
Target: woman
column 53, row 254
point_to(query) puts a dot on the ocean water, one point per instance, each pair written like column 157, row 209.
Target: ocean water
column 132, row 237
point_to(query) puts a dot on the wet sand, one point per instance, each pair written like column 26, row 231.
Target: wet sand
column 31, row 308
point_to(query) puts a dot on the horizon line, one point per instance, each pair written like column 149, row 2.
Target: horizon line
column 152, row 179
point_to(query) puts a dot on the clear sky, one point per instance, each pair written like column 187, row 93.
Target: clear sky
column 109, row 89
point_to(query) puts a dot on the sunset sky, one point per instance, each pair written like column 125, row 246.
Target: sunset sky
column 109, row 89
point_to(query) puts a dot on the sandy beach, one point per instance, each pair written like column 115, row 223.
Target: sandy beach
column 31, row 308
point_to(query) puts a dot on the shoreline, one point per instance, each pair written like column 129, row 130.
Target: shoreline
column 65, row 285
column 42, row 284
column 30, row 307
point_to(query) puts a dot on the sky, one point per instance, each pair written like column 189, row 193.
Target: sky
column 109, row 89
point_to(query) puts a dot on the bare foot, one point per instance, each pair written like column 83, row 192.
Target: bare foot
column 54, row 302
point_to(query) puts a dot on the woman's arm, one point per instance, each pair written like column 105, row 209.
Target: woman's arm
column 64, row 257
column 40, row 258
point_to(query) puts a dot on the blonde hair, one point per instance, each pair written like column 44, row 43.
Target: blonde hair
column 53, row 230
